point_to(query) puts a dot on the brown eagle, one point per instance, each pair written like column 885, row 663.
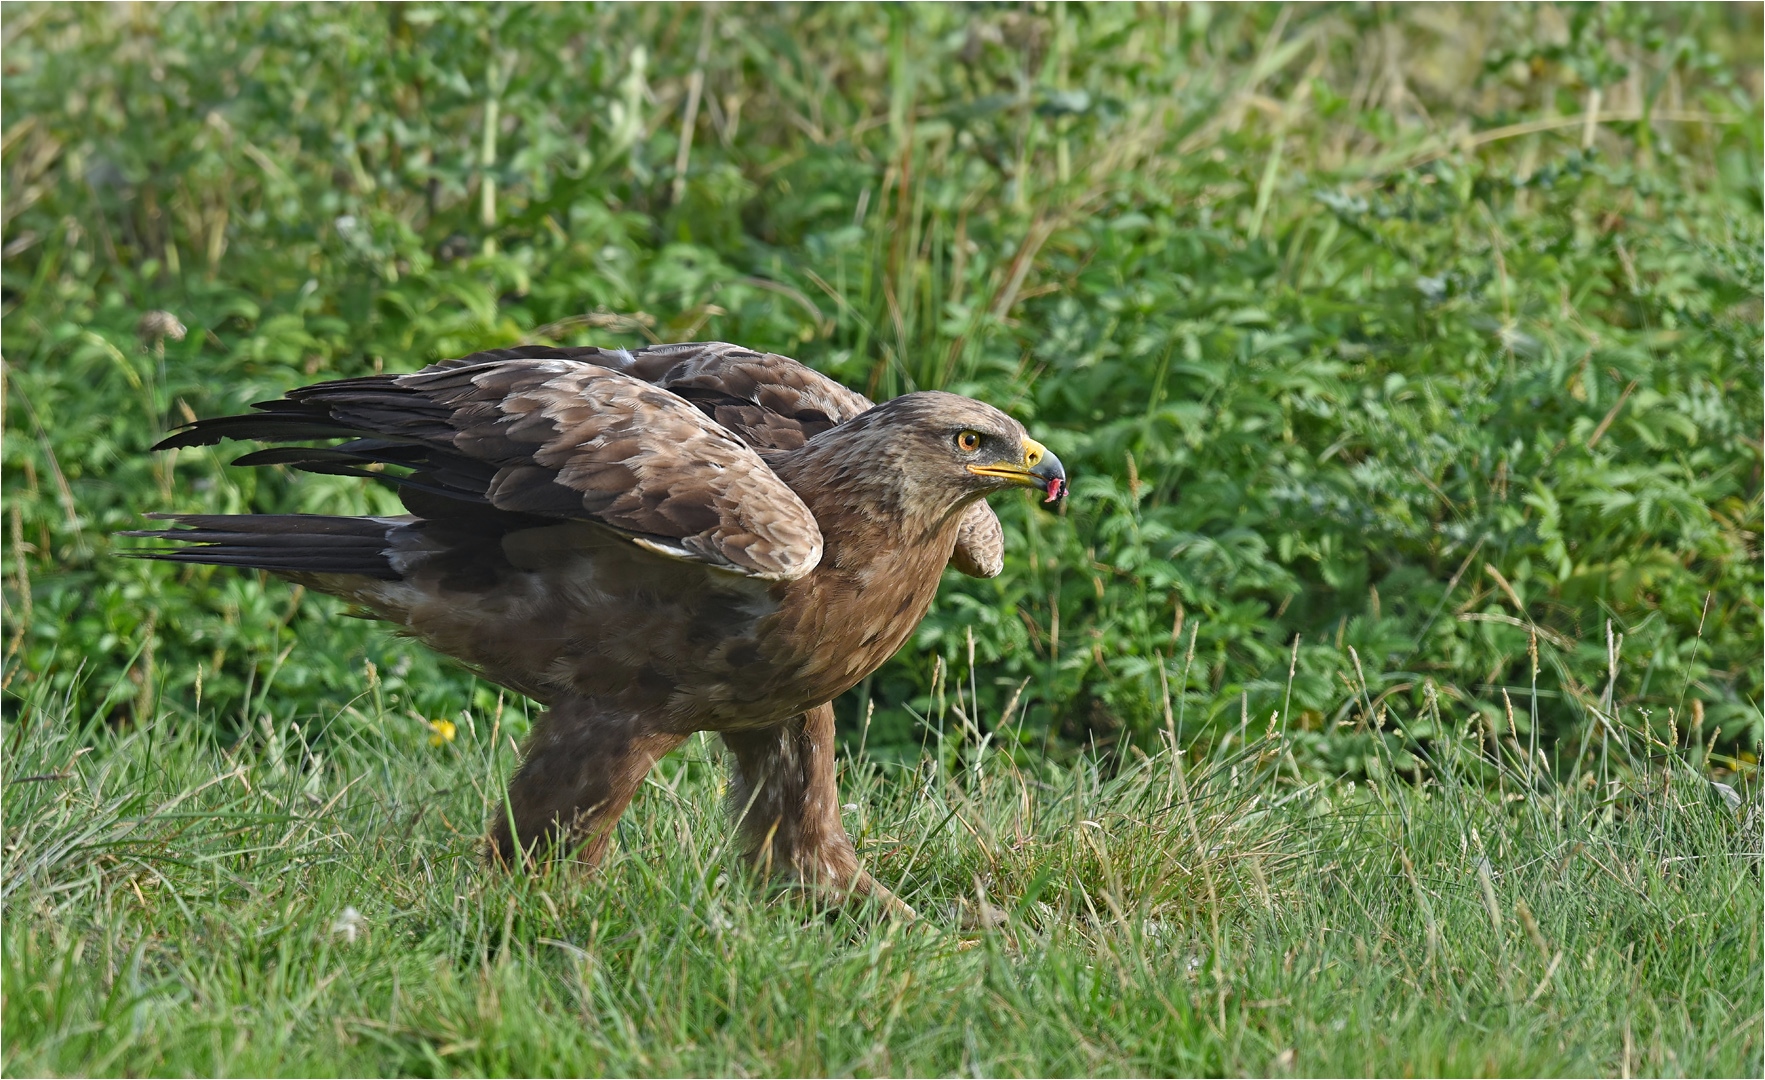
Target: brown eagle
column 684, row 538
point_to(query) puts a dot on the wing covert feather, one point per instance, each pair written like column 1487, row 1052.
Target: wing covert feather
column 582, row 441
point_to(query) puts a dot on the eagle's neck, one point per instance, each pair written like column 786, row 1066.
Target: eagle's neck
column 869, row 508
column 884, row 548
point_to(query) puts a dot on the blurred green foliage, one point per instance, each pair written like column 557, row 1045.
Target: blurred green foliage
column 1375, row 337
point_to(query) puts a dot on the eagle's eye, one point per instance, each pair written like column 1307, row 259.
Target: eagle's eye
column 969, row 441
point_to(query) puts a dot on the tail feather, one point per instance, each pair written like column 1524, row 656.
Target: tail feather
column 283, row 426
column 279, row 543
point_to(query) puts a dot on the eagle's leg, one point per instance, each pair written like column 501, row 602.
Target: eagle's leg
column 579, row 770
column 788, row 805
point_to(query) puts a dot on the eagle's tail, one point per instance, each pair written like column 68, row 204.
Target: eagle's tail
column 292, row 544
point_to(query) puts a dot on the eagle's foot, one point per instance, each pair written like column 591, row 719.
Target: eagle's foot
column 786, row 802
column 855, row 892
column 866, row 889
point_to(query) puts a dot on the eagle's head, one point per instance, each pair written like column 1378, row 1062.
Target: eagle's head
column 930, row 453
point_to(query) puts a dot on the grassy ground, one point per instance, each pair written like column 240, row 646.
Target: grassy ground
column 172, row 907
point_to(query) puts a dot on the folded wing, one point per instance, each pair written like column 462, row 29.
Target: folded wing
column 545, row 438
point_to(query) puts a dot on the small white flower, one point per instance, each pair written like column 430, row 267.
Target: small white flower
column 349, row 923
column 156, row 326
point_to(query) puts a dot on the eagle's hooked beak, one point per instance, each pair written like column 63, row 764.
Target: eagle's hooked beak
column 1040, row 469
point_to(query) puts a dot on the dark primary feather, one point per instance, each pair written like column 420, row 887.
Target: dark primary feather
column 283, row 543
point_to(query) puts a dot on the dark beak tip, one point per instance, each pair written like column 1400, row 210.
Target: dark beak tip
column 1053, row 475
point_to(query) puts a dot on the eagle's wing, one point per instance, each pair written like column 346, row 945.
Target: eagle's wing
column 546, row 438
column 772, row 402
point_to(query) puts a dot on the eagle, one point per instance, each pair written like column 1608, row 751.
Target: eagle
column 651, row 543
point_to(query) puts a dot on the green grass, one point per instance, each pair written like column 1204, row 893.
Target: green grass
column 1407, row 363
column 173, row 906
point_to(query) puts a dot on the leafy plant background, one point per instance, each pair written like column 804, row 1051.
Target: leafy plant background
column 1377, row 349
